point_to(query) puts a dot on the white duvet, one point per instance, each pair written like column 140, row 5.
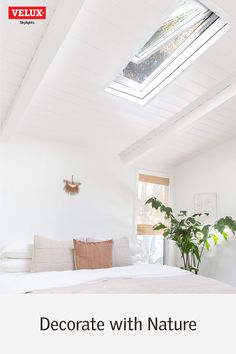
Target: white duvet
column 18, row 283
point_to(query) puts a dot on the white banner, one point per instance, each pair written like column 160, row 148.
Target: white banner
column 117, row 324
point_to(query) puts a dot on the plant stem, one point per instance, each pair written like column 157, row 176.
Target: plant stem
column 200, row 257
column 182, row 254
column 188, row 262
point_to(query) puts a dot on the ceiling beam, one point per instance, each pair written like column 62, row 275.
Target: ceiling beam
column 60, row 24
column 190, row 115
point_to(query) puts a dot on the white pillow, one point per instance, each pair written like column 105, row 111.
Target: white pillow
column 121, row 253
column 15, row 265
column 18, row 249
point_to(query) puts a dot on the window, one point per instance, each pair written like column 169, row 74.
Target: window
column 182, row 37
column 151, row 186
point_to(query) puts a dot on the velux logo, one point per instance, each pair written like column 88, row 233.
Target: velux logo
column 27, row 12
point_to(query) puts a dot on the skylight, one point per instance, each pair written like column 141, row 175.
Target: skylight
column 186, row 33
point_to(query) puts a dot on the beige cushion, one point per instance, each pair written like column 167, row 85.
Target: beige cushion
column 51, row 255
column 121, row 253
column 92, row 255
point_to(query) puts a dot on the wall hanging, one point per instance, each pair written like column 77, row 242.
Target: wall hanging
column 206, row 203
column 71, row 187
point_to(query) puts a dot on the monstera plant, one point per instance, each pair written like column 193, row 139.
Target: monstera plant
column 190, row 234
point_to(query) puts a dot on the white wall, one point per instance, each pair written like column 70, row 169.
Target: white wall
column 214, row 171
column 32, row 200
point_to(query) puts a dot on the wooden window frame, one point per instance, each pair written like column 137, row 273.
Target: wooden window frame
column 147, row 229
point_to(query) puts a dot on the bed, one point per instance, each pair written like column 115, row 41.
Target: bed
column 138, row 279
column 49, row 266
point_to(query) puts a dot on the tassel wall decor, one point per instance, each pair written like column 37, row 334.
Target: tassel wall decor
column 71, row 187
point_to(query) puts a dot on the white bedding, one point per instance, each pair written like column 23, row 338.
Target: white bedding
column 18, row 283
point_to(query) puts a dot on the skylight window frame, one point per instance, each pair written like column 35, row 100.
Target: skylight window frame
column 201, row 8
column 167, row 71
column 169, row 38
column 139, row 88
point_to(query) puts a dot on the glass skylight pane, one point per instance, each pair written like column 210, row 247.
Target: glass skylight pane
column 141, row 71
column 181, row 39
column 184, row 13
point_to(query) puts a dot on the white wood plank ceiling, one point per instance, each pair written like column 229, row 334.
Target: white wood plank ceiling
column 70, row 104
column 18, row 47
column 215, row 128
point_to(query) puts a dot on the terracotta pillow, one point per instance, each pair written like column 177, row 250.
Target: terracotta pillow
column 121, row 253
column 92, row 255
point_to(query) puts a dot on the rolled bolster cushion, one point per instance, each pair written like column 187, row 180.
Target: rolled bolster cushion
column 15, row 265
column 18, row 250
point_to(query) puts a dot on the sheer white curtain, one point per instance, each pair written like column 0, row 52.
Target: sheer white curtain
column 150, row 241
